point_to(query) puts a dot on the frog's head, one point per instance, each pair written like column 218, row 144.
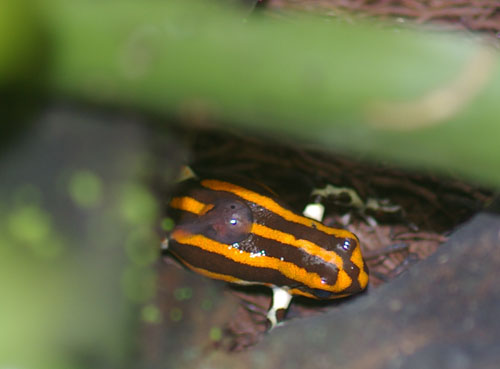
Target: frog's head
column 334, row 255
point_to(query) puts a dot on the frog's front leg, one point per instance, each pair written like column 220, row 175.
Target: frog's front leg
column 281, row 301
column 314, row 211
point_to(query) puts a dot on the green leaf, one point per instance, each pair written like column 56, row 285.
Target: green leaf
column 418, row 98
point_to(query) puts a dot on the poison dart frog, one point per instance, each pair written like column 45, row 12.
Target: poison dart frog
column 244, row 234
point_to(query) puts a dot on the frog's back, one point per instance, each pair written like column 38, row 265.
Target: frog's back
column 242, row 233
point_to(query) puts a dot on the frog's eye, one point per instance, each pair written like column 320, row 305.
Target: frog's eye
column 230, row 221
column 345, row 246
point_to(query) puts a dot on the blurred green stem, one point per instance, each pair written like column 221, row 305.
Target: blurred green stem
column 418, row 98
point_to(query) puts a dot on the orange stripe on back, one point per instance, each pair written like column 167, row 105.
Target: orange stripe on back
column 189, row 204
column 363, row 279
column 209, row 274
column 274, row 207
column 357, row 259
column 194, row 206
column 296, row 291
column 288, row 239
column 288, row 269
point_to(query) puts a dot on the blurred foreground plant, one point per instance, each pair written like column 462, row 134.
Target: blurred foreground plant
column 422, row 99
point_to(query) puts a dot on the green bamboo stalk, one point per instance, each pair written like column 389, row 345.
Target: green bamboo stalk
column 417, row 98
column 19, row 41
